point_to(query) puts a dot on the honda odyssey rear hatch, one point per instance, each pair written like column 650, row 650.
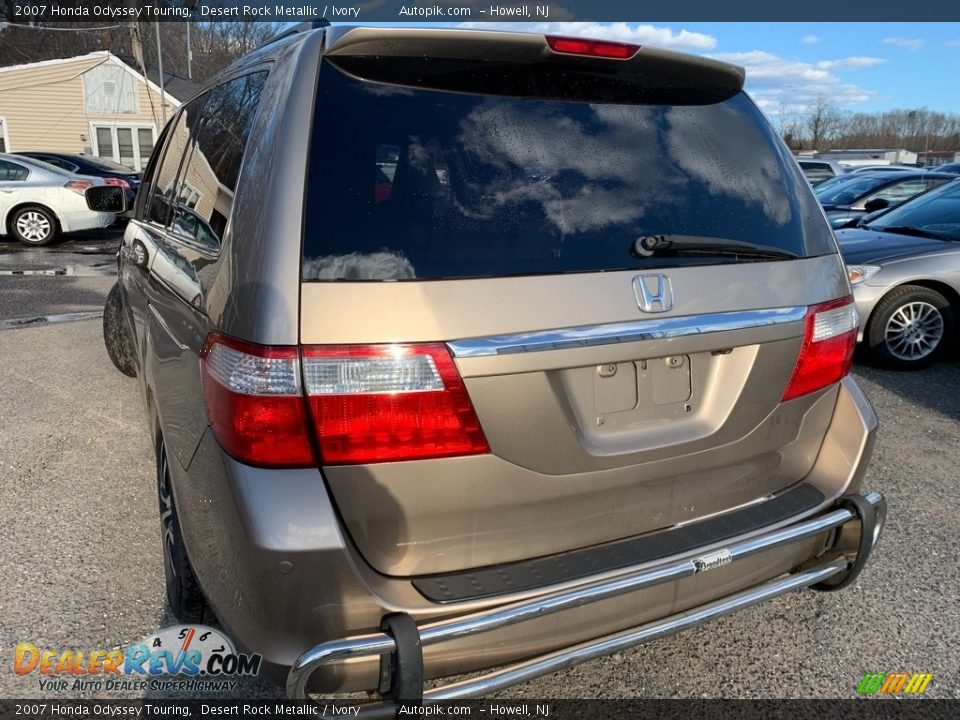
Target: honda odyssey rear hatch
column 555, row 293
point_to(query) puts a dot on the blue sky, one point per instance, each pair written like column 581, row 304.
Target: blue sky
column 859, row 66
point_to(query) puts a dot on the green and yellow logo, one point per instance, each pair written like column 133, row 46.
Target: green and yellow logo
column 895, row 682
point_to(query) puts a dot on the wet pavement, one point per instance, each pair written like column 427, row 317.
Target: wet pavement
column 67, row 280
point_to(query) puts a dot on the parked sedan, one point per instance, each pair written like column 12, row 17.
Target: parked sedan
column 112, row 173
column 860, row 193
column 905, row 271
column 39, row 201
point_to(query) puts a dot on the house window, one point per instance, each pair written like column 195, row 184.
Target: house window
column 126, row 144
column 108, row 90
column 4, row 142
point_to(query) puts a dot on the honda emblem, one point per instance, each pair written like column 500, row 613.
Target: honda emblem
column 654, row 293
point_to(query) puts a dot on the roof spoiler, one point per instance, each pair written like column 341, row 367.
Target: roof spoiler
column 525, row 48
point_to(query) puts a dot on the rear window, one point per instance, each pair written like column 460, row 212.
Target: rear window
column 410, row 183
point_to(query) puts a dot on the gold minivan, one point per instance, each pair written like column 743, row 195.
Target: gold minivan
column 478, row 351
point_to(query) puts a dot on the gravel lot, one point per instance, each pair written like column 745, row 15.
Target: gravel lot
column 81, row 566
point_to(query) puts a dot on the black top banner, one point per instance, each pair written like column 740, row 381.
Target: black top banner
column 419, row 11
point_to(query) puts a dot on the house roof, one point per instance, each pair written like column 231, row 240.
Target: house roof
column 179, row 87
column 175, row 94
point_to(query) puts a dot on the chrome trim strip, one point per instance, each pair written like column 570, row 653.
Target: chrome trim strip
column 623, row 332
column 491, row 619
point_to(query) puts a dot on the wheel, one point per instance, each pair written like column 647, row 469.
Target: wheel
column 184, row 595
column 910, row 327
column 116, row 333
column 34, row 225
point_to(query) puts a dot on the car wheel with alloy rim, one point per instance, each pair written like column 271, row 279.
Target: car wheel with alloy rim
column 34, row 225
column 910, row 328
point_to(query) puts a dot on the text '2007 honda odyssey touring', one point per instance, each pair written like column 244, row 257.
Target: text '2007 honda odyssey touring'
column 473, row 350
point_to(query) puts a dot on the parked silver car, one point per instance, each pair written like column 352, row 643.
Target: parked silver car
column 466, row 349
column 39, row 201
column 905, row 270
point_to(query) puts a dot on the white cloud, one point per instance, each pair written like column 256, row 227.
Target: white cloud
column 621, row 32
column 911, row 44
column 854, row 62
column 810, row 40
column 952, row 43
column 778, row 84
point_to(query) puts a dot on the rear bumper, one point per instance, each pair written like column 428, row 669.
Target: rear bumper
column 854, row 527
column 285, row 580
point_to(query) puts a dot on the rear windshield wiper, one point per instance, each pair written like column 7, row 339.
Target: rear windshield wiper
column 666, row 245
column 908, row 230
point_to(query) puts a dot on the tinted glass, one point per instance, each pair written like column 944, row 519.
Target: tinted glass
column 59, row 162
column 11, row 171
column 937, row 212
column 208, row 177
column 850, row 189
column 408, row 183
column 40, row 164
column 110, row 165
column 165, row 177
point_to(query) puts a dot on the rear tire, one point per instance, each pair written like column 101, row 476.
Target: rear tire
column 186, row 599
column 116, row 333
column 910, row 328
column 34, row 225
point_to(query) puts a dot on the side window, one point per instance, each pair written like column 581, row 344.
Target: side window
column 12, row 171
column 208, row 177
column 62, row 164
column 898, row 192
column 164, row 180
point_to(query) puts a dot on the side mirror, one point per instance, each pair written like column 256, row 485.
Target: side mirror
column 877, row 204
column 106, row 198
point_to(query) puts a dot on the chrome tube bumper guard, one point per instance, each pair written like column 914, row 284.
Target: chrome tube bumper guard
column 400, row 646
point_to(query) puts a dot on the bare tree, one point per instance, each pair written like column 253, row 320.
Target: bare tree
column 823, row 122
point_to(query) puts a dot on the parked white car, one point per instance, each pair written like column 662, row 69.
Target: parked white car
column 38, row 201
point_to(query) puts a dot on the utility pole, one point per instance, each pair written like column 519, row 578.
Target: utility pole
column 192, row 6
column 163, row 97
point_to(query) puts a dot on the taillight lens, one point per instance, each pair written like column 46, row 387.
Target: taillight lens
column 254, row 402
column 78, row 186
column 377, row 403
column 118, row 182
column 828, row 343
column 369, row 403
column 592, row 48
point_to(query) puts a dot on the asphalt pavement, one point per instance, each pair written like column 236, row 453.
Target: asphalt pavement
column 81, row 566
column 73, row 276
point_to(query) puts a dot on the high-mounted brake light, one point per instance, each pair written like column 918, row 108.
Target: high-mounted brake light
column 376, row 403
column 592, row 48
column 829, row 340
column 254, row 402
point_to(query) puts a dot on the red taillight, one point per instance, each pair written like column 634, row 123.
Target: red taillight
column 592, row 48
column 118, row 182
column 254, row 402
column 78, row 186
column 369, row 403
column 379, row 403
column 828, row 343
